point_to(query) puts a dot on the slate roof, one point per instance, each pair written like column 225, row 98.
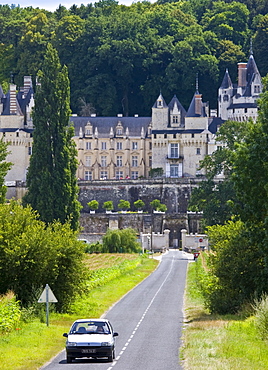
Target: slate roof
column 8, row 129
column 6, row 102
column 189, row 131
column 214, row 124
column 243, row 105
column 180, row 107
column 104, row 124
column 226, row 82
column 191, row 111
column 160, row 97
column 24, row 101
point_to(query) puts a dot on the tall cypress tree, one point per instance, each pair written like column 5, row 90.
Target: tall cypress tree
column 51, row 179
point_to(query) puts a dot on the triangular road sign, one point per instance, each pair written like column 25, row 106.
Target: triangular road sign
column 43, row 297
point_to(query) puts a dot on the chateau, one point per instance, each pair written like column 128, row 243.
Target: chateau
column 172, row 141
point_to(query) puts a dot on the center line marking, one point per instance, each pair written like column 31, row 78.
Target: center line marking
column 145, row 312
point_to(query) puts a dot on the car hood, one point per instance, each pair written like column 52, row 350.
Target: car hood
column 90, row 339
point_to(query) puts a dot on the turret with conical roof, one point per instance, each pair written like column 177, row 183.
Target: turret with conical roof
column 225, row 95
column 160, row 117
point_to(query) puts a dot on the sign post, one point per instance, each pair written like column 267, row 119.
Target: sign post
column 47, row 296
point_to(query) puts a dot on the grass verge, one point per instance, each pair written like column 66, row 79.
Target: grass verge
column 33, row 344
column 214, row 342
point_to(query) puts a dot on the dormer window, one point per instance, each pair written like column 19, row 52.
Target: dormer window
column 119, row 129
column 88, row 129
column 257, row 89
column 159, row 103
column 175, row 119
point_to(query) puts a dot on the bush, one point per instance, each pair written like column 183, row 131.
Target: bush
column 139, row 204
column 93, row 205
column 109, row 206
column 155, row 204
column 94, row 248
column 232, row 268
column 162, row 208
column 33, row 255
column 121, row 241
column 124, row 204
column 261, row 316
column 9, row 312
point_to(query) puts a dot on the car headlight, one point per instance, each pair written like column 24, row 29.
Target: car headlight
column 104, row 344
column 72, row 344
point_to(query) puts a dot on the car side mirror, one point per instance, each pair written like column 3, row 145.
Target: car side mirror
column 115, row 334
column 65, row 335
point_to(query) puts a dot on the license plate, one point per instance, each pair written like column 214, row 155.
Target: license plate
column 90, row 350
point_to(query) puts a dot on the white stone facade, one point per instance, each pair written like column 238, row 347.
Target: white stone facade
column 172, row 140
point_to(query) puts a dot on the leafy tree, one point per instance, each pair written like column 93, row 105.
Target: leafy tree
column 33, row 255
column 216, row 197
column 121, row 241
column 234, row 264
column 260, row 40
column 4, row 167
column 215, row 200
column 51, row 180
column 93, row 205
column 109, row 206
column 32, row 46
column 157, row 206
column 162, row 208
column 239, row 264
column 139, row 204
column 228, row 55
column 123, row 204
column 227, row 21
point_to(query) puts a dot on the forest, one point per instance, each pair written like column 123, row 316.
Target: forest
column 120, row 57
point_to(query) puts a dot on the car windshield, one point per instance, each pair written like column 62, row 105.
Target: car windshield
column 90, row 327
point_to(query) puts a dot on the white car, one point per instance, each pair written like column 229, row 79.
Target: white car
column 90, row 338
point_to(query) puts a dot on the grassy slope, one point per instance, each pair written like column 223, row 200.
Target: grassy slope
column 218, row 342
column 31, row 345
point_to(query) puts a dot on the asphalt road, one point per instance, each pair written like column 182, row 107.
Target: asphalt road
column 149, row 321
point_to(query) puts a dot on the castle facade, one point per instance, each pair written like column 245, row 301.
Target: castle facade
column 171, row 142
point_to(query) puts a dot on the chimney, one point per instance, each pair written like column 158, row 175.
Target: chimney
column 13, row 99
column 242, row 74
column 27, row 84
column 198, row 104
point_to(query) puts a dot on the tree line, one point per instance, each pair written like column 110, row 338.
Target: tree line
column 119, row 57
column 236, row 213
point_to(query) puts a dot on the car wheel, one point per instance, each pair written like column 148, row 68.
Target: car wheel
column 110, row 357
column 113, row 354
column 69, row 359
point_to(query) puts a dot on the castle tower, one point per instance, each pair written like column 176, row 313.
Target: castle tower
column 225, row 94
column 160, row 116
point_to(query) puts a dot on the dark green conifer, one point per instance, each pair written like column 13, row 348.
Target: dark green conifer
column 51, row 179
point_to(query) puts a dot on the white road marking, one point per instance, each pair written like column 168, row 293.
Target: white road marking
column 145, row 312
